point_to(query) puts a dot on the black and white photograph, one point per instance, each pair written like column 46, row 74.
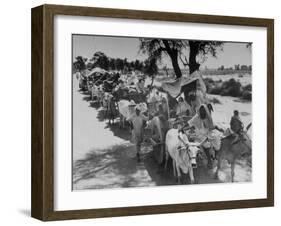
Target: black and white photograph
column 160, row 112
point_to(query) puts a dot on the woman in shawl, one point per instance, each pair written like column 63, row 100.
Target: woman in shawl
column 204, row 127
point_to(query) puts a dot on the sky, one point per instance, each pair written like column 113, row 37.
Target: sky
column 127, row 47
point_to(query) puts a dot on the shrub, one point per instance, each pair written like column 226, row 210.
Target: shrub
column 231, row 88
column 208, row 80
column 215, row 90
column 248, row 87
column 247, row 95
column 214, row 100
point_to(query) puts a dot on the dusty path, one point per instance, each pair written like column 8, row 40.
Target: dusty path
column 104, row 157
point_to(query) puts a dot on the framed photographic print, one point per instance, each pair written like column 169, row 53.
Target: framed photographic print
column 141, row 112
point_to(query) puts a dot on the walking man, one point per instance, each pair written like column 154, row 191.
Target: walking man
column 137, row 125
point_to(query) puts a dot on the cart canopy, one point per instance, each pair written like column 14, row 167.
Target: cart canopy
column 185, row 84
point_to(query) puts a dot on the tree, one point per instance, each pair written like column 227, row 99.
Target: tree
column 138, row 65
column 126, row 65
column 119, row 64
column 89, row 65
column 151, row 68
column 132, row 66
column 156, row 47
column 200, row 48
column 99, row 59
column 112, row 64
column 237, row 67
column 176, row 50
column 80, row 63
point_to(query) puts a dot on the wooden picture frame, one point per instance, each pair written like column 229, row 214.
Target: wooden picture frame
column 42, row 203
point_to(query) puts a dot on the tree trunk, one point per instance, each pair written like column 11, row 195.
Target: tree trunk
column 173, row 54
column 177, row 70
column 193, row 65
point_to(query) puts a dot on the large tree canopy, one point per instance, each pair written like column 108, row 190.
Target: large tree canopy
column 156, row 47
column 150, row 67
column 99, row 59
column 177, row 50
column 80, row 63
column 200, row 48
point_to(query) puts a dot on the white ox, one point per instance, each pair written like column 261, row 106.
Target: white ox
column 182, row 152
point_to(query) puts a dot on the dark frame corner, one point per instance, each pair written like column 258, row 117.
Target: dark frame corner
column 42, row 203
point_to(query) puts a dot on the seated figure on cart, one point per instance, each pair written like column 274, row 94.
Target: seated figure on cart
column 205, row 128
column 183, row 108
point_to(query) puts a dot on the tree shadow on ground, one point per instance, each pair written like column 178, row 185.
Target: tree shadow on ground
column 109, row 168
column 86, row 98
column 95, row 104
column 117, row 167
column 119, row 132
column 157, row 172
column 114, row 127
column 104, row 114
column 162, row 177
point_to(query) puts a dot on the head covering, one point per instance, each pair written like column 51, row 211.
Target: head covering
column 132, row 103
column 199, row 123
column 208, row 121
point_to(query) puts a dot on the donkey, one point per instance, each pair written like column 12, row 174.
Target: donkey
column 232, row 150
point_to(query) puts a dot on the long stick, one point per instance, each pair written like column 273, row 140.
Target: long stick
column 168, row 108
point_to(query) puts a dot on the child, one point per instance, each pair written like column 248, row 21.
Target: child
column 236, row 125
